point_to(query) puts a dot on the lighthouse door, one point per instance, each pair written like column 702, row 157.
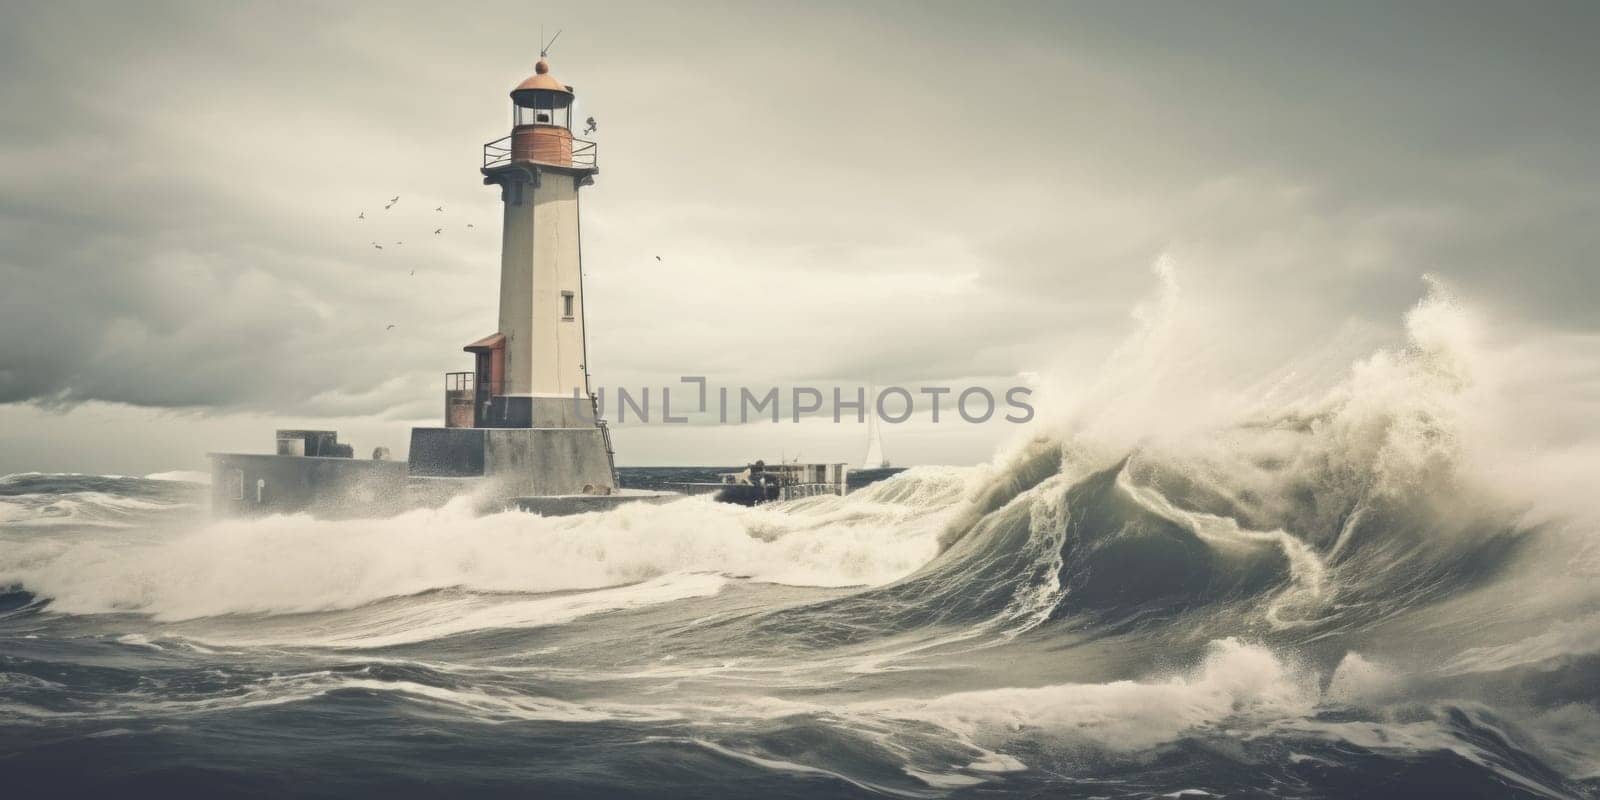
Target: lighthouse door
column 485, row 372
column 489, row 372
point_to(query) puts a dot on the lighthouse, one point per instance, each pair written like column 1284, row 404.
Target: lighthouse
column 524, row 416
column 534, row 366
column 521, row 427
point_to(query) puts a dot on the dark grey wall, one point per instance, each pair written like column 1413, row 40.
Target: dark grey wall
column 324, row 487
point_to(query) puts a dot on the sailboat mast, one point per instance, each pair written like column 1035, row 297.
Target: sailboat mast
column 874, row 458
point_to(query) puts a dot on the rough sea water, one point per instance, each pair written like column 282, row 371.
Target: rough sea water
column 1386, row 588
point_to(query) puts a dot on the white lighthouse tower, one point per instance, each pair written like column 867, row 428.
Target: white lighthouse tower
column 524, row 416
column 536, row 361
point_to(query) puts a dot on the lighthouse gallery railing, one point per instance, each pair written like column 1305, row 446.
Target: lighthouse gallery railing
column 498, row 153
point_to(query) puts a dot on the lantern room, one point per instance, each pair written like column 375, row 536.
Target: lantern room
column 541, row 130
column 542, row 100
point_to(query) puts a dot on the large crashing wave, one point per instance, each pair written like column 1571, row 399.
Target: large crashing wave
column 1379, row 492
column 1415, row 506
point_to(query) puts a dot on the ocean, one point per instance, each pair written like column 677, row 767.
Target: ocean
column 1317, row 600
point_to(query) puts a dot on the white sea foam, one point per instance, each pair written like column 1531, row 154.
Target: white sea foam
column 1566, row 736
column 478, row 704
column 959, row 739
column 75, row 509
column 1447, row 410
column 181, row 475
column 1435, row 734
column 291, row 564
column 434, row 618
column 1358, row 681
column 784, row 765
column 1236, row 681
column 1574, row 637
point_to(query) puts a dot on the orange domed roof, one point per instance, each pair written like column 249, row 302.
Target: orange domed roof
column 542, row 81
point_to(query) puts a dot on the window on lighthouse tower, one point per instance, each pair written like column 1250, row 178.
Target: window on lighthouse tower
column 566, row 305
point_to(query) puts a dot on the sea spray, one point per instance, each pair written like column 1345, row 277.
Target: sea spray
column 295, row 564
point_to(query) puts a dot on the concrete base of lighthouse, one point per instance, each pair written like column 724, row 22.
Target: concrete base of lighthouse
column 529, row 411
column 516, row 462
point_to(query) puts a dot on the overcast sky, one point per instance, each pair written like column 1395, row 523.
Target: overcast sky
column 916, row 193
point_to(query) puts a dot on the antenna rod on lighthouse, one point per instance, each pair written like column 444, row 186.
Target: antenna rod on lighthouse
column 545, row 50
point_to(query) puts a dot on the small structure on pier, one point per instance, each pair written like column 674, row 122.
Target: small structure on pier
column 760, row 483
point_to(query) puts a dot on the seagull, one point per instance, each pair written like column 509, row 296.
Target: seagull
column 437, row 231
column 392, row 201
column 377, row 246
column 592, row 126
column 440, row 208
column 362, row 215
column 390, row 328
column 413, row 272
column 399, row 243
column 658, row 258
column 470, row 225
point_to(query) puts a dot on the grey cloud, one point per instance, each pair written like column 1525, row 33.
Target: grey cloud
column 922, row 191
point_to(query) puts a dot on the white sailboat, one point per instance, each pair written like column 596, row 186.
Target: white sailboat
column 874, row 459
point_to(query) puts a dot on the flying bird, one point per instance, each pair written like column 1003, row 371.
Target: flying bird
column 470, row 225
column 377, row 246
column 399, row 243
column 390, row 328
column 440, row 208
column 413, row 272
column 437, row 231
column 658, row 258
column 392, row 201
column 362, row 215
column 592, row 126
